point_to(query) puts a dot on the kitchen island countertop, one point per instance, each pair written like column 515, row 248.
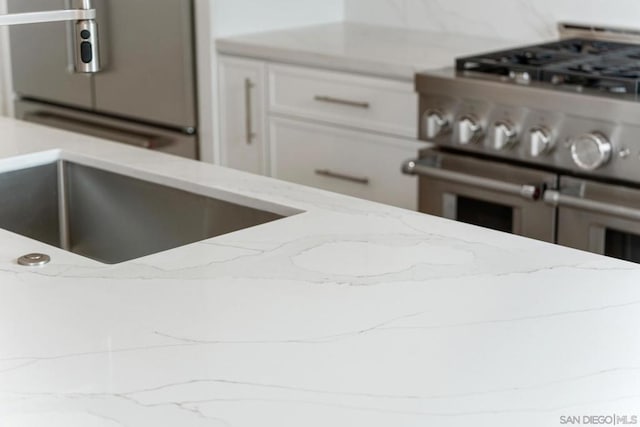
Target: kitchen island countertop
column 349, row 314
column 361, row 48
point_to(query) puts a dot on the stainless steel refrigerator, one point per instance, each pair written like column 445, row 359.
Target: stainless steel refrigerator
column 145, row 94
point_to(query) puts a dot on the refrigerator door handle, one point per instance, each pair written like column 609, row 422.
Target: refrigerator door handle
column 98, row 130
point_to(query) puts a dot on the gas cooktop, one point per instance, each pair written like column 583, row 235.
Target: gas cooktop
column 605, row 66
column 571, row 105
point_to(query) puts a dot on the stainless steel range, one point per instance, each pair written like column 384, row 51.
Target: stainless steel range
column 542, row 141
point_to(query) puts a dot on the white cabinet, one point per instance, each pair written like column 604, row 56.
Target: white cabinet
column 350, row 162
column 242, row 91
column 338, row 131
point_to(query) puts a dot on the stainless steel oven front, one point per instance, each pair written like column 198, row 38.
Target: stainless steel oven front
column 486, row 193
column 598, row 217
column 527, row 148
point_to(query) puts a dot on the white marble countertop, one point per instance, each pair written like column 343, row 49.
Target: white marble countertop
column 362, row 48
column 350, row 314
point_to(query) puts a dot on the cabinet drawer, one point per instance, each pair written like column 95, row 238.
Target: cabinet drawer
column 381, row 105
column 349, row 162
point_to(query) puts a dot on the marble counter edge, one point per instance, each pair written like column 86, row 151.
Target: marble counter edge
column 324, row 61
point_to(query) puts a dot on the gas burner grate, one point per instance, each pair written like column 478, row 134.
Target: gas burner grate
column 528, row 60
column 586, row 47
column 615, row 74
column 593, row 64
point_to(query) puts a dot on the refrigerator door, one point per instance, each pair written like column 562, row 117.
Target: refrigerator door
column 149, row 71
column 143, row 136
column 42, row 60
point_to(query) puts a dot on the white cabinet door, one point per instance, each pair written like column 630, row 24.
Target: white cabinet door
column 359, row 164
column 242, row 114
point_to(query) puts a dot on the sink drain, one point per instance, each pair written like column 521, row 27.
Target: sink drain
column 34, row 260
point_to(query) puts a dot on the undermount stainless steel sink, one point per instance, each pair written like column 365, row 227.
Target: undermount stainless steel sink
column 110, row 217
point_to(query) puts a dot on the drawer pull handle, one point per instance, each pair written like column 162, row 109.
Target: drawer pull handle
column 250, row 134
column 332, row 100
column 330, row 174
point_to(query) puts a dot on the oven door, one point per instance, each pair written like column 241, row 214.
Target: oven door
column 596, row 217
column 486, row 193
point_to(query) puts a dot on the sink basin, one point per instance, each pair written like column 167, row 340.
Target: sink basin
column 110, row 217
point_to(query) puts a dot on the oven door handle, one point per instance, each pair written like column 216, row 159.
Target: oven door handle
column 556, row 198
column 526, row 191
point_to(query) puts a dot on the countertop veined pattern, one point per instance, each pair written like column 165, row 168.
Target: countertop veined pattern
column 361, row 48
column 350, row 314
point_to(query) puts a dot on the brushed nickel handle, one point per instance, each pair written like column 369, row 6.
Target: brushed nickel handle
column 340, row 101
column 344, row 177
column 95, row 129
column 250, row 134
column 556, row 198
column 526, row 191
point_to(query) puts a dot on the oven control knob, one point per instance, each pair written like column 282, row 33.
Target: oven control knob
column 591, row 150
column 435, row 123
column 504, row 135
column 540, row 141
column 468, row 129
